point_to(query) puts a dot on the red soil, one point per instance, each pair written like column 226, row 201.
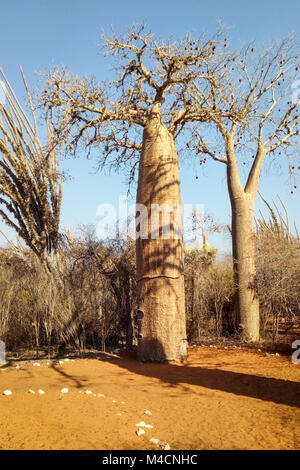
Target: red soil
column 219, row 399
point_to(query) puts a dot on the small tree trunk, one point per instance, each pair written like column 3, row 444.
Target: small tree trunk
column 128, row 307
column 161, row 314
column 129, row 331
column 36, row 325
column 243, row 249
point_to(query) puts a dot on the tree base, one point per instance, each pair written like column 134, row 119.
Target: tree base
column 161, row 322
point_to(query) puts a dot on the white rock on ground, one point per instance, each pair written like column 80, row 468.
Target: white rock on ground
column 31, row 391
column 64, row 390
column 7, row 392
column 100, row 395
column 142, row 424
column 41, row 392
column 140, row 432
column 88, row 392
column 165, row 446
column 147, row 412
column 36, row 364
column 153, row 440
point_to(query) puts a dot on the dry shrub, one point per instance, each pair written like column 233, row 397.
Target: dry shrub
column 209, row 294
column 90, row 308
column 94, row 302
column 278, row 273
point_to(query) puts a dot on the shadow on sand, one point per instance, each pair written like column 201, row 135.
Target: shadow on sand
column 279, row 391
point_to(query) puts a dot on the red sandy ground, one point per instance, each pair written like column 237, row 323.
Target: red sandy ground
column 220, row 399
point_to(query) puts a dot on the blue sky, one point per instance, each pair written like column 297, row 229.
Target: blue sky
column 35, row 33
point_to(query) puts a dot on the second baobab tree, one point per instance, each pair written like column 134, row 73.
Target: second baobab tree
column 254, row 117
column 134, row 121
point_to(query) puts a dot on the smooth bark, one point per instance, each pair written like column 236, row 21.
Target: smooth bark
column 243, row 251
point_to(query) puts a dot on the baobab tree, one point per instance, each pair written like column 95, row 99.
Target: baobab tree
column 135, row 120
column 253, row 108
column 30, row 183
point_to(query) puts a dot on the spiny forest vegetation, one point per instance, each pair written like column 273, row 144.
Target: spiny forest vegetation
column 63, row 290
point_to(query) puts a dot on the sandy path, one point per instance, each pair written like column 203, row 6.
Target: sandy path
column 219, row 399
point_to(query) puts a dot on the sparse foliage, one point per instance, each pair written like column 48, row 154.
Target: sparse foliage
column 110, row 116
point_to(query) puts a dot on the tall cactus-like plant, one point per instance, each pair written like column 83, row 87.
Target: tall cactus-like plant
column 278, row 225
column 30, row 183
column 278, row 273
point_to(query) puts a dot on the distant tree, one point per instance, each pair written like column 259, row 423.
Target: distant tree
column 30, row 183
column 135, row 119
column 253, row 113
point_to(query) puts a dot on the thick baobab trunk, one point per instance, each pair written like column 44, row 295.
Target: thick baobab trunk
column 161, row 314
column 243, row 250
